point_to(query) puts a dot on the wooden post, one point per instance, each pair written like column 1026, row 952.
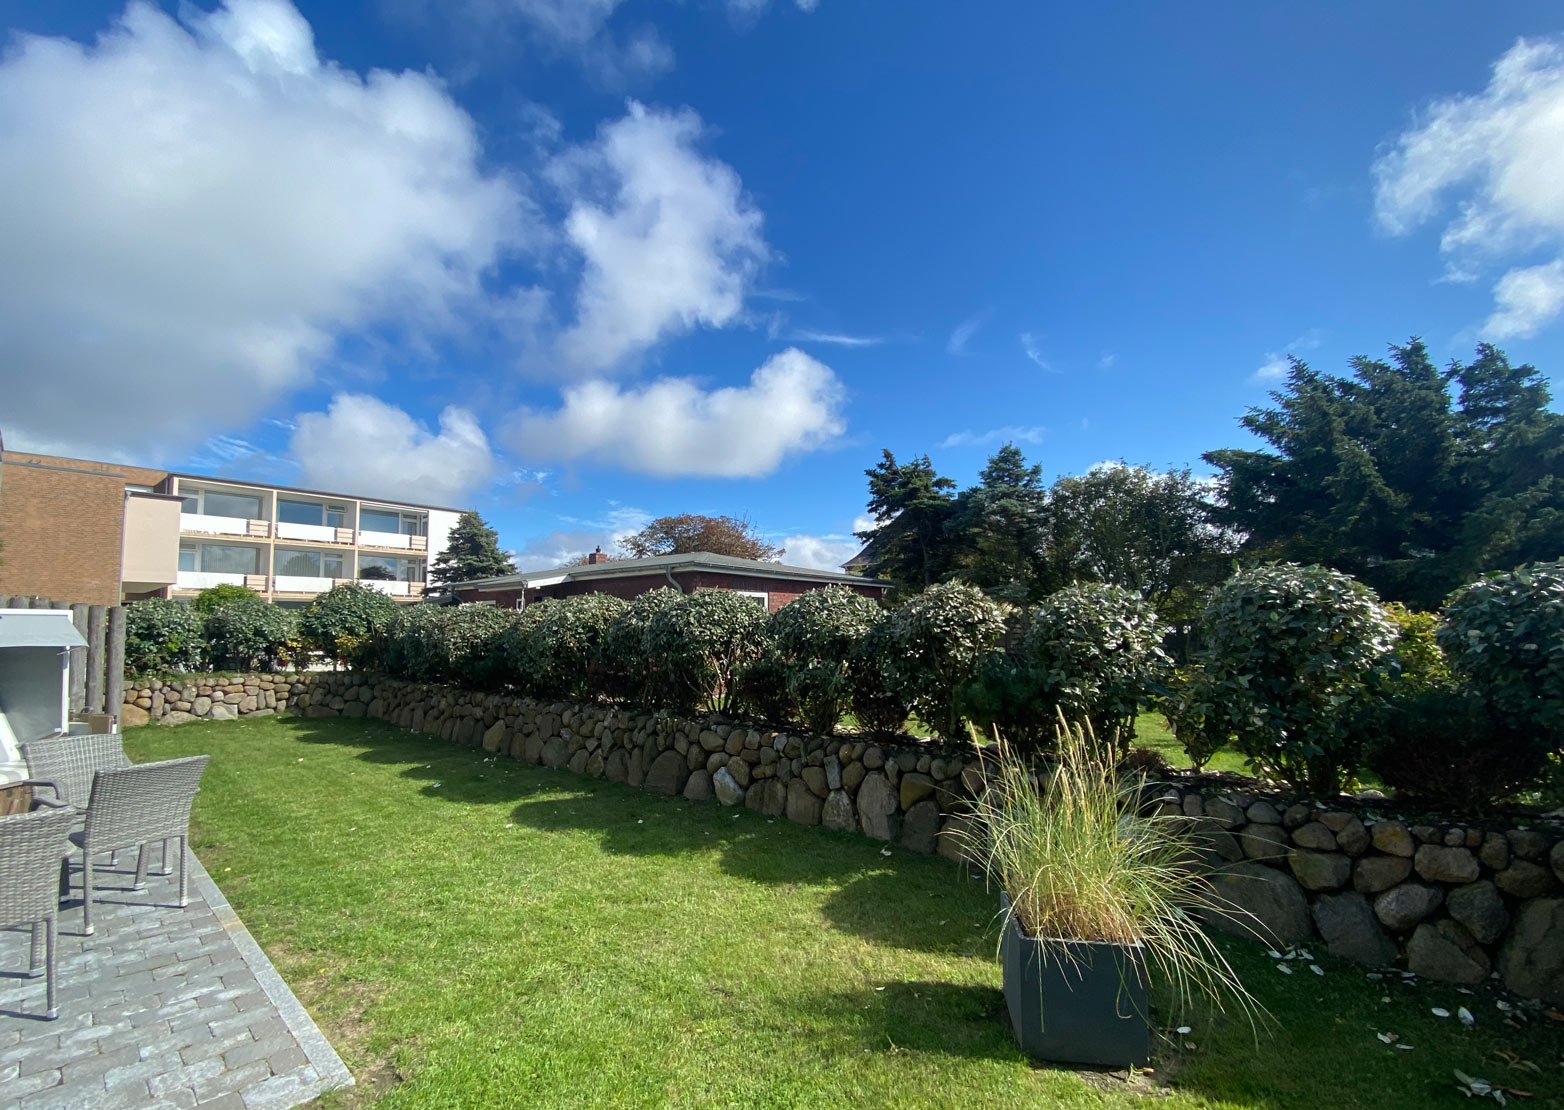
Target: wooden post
column 79, row 660
column 96, row 620
column 114, row 679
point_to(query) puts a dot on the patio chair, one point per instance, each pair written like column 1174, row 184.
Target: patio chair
column 133, row 807
column 67, row 763
column 31, row 847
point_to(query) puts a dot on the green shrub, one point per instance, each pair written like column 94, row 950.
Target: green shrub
column 213, row 598
column 1505, row 633
column 935, row 640
column 763, row 689
column 876, row 706
column 630, row 673
column 162, row 635
column 1096, row 654
column 399, row 650
column 1003, row 696
column 466, row 646
column 246, row 635
column 1447, row 747
column 1416, row 661
column 1289, row 652
column 341, row 621
column 556, row 648
column 814, row 638
column 700, row 646
column 1197, row 721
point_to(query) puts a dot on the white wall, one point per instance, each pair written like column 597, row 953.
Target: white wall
column 440, row 525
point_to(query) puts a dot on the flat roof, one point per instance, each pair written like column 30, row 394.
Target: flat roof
column 54, row 628
column 655, row 564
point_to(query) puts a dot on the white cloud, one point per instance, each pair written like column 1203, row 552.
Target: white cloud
column 562, row 545
column 190, row 214
column 1107, row 361
column 826, row 552
column 1008, row 434
column 363, row 445
column 1503, row 151
column 674, row 428
column 1277, row 365
column 963, row 332
column 1527, row 300
column 669, row 241
column 836, row 338
column 1033, row 351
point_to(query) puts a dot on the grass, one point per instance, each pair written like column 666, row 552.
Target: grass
column 483, row 933
column 1152, row 731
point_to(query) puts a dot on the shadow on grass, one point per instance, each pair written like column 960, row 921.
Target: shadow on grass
column 898, row 900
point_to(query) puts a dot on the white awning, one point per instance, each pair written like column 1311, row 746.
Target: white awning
column 38, row 628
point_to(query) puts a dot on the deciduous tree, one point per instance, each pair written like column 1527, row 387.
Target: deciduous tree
column 688, row 532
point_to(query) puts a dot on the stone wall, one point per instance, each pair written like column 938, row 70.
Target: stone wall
column 1454, row 902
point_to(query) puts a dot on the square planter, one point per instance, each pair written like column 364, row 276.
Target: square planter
column 1076, row 1002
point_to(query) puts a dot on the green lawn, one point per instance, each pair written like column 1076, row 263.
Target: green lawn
column 475, row 932
column 1152, row 731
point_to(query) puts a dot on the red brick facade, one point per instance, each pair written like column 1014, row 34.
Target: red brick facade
column 778, row 591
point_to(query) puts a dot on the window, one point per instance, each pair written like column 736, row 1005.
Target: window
column 215, row 502
column 400, row 570
column 218, row 558
column 334, row 516
column 759, row 596
column 389, row 520
column 298, row 512
column 298, row 563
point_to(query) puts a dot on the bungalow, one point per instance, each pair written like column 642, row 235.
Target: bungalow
column 770, row 584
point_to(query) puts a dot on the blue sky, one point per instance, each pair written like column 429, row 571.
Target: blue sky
column 582, row 262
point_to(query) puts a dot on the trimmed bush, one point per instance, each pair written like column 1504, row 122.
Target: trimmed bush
column 1447, row 747
column 877, row 707
column 1505, row 634
column 341, row 621
column 556, row 648
column 251, row 635
column 1198, row 723
column 630, row 673
column 814, row 638
column 213, row 598
column 162, row 635
column 935, row 640
column 1095, row 651
column 700, row 646
column 1289, row 652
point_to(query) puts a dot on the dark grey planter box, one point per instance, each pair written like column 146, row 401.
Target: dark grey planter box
column 1076, row 1002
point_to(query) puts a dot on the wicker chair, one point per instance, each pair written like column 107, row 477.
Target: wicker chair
column 133, row 807
column 69, row 762
column 31, row 847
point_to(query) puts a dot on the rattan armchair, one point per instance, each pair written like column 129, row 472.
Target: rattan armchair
column 31, row 847
column 69, row 762
column 134, row 807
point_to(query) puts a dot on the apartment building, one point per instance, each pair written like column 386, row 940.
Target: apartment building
column 77, row 530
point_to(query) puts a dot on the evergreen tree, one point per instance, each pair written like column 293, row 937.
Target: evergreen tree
column 473, row 551
column 1380, row 475
column 999, row 529
column 912, row 505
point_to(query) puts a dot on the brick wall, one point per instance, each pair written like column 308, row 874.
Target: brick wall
column 61, row 524
column 779, row 590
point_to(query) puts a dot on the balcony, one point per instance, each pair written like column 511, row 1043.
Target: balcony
column 206, row 579
column 395, row 589
column 301, row 584
column 202, row 524
column 314, row 533
column 394, row 540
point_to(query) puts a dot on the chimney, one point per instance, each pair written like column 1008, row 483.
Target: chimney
column 596, row 557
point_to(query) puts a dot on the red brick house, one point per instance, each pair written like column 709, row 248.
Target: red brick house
column 770, row 584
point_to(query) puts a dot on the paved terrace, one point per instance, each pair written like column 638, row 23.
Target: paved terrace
column 161, row 1007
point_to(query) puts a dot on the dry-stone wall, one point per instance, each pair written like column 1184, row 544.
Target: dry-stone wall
column 1454, row 902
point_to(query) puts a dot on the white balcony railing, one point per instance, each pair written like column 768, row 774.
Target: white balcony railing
column 395, row 589
column 301, row 584
column 313, row 533
column 223, row 525
column 386, row 539
column 206, row 579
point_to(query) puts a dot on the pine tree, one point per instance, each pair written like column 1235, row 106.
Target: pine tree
column 911, row 504
column 1000, row 527
column 473, row 551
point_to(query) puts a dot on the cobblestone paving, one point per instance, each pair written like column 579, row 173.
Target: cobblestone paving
column 160, row 1007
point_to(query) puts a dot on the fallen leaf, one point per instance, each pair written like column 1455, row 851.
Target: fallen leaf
column 1182, row 1029
column 1388, row 1038
column 1284, row 969
column 1466, row 1016
column 1317, row 969
column 1440, row 1011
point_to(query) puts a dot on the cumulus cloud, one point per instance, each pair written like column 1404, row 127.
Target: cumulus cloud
column 1501, row 152
column 191, row 213
column 363, row 445
column 674, row 428
column 667, row 239
column 1011, row 433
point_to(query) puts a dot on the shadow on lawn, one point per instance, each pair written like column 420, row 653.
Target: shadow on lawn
column 920, row 903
